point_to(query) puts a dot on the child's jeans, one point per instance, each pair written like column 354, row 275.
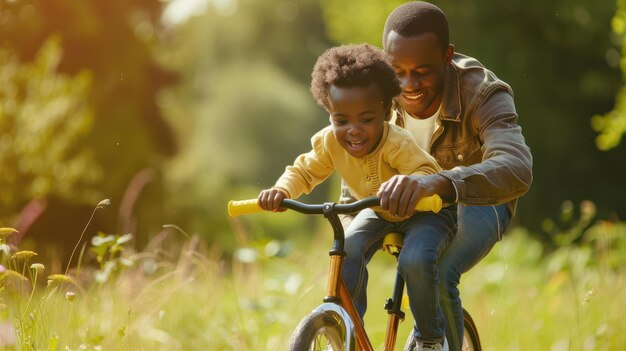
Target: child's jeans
column 426, row 235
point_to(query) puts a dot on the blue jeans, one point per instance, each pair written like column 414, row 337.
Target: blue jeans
column 426, row 234
column 479, row 229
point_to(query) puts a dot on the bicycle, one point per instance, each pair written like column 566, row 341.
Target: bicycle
column 335, row 324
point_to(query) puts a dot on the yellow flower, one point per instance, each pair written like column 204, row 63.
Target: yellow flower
column 6, row 232
column 23, row 255
column 59, row 279
column 9, row 273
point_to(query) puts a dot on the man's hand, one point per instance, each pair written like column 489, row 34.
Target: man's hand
column 400, row 194
column 270, row 199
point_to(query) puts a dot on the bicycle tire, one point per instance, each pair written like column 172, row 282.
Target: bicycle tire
column 471, row 340
column 320, row 330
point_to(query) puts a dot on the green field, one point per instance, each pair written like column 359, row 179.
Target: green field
column 187, row 296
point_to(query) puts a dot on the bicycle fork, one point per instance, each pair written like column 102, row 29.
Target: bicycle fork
column 337, row 292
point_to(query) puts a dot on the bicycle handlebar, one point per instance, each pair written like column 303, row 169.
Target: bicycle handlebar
column 236, row 208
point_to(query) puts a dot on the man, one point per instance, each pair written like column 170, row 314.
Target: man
column 465, row 117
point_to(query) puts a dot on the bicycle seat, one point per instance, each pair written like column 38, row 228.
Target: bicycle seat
column 392, row 243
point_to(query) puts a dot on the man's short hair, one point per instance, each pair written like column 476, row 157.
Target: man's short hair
column 353, row 65
column 415, row 18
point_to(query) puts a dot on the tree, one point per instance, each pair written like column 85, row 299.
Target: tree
column 612, row 125
column 243, row 108
column 42, row 118
column 112, row 43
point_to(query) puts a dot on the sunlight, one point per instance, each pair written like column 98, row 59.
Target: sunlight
column 177, row 11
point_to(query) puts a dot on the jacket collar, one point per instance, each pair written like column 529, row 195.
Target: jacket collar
column 451, row 102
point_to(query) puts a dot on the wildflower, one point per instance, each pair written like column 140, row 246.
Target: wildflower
column 23, row 255
column 588, row 296
column 105, row 202
column 587, row 209
column 37, row 266
column 59, row 279
column 9, row 273
column 70, row 295
column 7, row 232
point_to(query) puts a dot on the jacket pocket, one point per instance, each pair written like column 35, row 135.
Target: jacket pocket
column 464, row 153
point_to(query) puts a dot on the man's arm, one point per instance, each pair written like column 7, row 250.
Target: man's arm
column 504, row 174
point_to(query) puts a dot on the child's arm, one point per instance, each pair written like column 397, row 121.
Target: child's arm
column 309, row 169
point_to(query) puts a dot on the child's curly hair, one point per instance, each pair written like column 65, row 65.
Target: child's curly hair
column 353, row 65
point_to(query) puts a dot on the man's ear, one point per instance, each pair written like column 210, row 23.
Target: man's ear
column 448, row 53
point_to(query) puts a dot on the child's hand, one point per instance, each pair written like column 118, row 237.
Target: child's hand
column 270, row 199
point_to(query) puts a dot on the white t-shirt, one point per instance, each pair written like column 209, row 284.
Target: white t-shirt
column 422, row 129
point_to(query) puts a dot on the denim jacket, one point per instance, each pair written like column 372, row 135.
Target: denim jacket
column 479, row 144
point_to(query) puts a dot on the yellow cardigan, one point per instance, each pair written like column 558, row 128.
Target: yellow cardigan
column 397, row 153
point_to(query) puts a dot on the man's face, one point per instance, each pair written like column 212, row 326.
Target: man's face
column 357, row 116
column 420, row 64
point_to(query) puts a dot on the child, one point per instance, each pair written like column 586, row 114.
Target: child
column 356, row 85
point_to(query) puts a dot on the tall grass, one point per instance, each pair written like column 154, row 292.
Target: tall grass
column 184, row 295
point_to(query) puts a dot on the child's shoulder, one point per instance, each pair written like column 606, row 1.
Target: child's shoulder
column 323, row 134
column 324, row 140
column 398, row 134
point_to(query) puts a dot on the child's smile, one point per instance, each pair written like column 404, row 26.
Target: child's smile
column 357, row 115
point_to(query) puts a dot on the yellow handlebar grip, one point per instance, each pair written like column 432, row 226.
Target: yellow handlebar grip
column 236, row 208
column 431, row 203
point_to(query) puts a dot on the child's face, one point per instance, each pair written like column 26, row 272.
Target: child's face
column 357, row 116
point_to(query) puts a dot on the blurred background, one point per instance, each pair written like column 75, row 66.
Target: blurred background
column 172, row 108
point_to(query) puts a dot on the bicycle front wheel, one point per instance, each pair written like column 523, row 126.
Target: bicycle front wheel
column 320, row 330
column 471, row 341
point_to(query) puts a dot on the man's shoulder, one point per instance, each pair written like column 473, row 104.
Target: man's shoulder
column 472, row 75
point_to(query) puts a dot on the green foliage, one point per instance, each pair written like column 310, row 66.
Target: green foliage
column 33, row 317
column 612, row 125
column 108, row 249
column 350, row 21
column 104, row 56
column 42, row 119
column 180, row 296
column 242, row 107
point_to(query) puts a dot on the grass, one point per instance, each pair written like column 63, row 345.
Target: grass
column 176, row 295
